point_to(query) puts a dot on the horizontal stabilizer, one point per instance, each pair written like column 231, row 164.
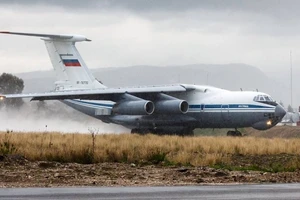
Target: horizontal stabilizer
column 76, row 38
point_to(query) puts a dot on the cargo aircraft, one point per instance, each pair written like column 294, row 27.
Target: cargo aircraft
column 168, row 109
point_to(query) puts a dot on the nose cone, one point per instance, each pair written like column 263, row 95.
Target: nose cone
column 279, row 111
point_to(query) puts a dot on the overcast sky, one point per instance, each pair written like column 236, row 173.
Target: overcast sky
column 155, row 32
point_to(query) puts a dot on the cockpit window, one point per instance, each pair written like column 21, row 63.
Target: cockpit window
column 264, row 99
column 261, row 98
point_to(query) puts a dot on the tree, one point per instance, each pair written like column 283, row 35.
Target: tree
column 10, row 84
column 290, row 109
column 281, row 103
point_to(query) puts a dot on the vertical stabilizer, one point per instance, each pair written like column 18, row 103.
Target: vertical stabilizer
column 71, row 71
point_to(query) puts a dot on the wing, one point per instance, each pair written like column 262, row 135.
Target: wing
column 112, row 94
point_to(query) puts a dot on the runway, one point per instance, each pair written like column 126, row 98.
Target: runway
column 269, row 191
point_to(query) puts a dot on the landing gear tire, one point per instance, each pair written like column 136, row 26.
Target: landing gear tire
column 140, row 131
column 181, row 132
column 133, row 131
column 235, row 133
column 187, row 132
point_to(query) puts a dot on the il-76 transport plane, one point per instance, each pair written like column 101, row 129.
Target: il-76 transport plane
column 172, row 109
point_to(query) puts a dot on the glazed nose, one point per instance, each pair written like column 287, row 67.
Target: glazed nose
column 279, row 111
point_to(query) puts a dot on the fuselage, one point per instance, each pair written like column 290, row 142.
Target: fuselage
column 209, row 107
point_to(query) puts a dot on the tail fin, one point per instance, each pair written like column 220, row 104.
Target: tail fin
column 71, row 71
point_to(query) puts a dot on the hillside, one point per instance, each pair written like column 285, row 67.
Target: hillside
column 230, row 76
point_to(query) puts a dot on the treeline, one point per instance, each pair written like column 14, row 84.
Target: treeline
column 10, row 84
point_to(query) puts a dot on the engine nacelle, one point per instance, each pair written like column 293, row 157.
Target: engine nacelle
column 139, row 107
column 171, row 107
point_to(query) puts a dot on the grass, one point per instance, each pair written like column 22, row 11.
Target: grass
column 246, row 153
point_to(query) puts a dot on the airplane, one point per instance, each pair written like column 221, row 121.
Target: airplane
column 167, row 109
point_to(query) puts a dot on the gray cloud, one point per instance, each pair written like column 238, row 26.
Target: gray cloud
column 164, row 32
column 136, row 32
column 271, row 7
column 267, row 17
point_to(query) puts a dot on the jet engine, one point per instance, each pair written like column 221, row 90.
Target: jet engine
column 171, row 107
column 166, row 104
column 132, row 105
column 141, row 107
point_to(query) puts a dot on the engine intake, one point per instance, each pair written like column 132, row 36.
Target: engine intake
column 139, row 107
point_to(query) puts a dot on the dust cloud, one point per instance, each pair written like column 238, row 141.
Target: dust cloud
column 52, row 116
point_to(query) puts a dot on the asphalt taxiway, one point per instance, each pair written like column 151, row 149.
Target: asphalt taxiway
column 268, row 191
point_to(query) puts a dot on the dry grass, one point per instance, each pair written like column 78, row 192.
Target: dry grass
column 196, row 151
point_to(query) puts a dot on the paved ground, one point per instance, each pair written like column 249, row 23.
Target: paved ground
column 269, row 191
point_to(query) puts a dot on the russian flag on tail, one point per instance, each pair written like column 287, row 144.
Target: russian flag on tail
column 71, row 63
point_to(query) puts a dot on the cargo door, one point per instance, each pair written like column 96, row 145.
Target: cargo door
column 225, row 112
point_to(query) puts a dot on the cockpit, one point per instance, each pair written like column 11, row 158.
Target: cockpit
column 265, row 99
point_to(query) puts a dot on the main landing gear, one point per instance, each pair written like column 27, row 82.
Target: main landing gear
column 140, row 131
column 234, row 133
column 179, row 132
